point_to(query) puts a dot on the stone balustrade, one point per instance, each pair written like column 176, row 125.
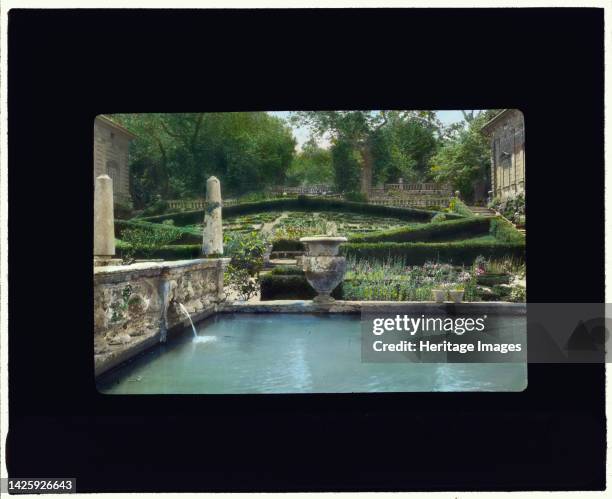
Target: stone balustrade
column 315, row 189
column 414, row 201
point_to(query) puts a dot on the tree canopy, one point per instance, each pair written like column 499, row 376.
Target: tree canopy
column 464, row 157
column 390, row 144
column 312, row 165
column 175, row 153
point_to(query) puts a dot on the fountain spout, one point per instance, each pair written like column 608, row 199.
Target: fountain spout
column 195, row 334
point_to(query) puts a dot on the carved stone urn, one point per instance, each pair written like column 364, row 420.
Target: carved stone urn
column 323, row 267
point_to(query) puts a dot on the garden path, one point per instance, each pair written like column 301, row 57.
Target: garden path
column 267, row 228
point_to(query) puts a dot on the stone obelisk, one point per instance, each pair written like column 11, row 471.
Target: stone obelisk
column 104, row 220
column 213, row 225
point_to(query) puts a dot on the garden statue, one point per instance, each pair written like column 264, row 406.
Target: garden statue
column 104, row 220
column 213, row 225
column 323, row 267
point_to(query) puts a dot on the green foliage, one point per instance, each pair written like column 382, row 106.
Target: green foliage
column 247, row 260
column 502, row 266
column 435, row 231
column 241, row 281
column 518, row 294
column 389, row 143
column 172, row 252
column 356, row 197
column 287, row 245
column 303, row 203
column 513, row 208
column 464, row 158
column 439, row 217
column 455, row 252
column 296, row 226
column 291, row 286
column 286, row 270
column 252, row 197
column 147, row 240
column 403, row 148
column 122, row 210
column 391, row 279
column 158, row 207
column 174, row 153
column 176, row 235
column 285, row 287
column 459, row 207
column 313, row 165
column 347, row 167
column 504, row 231
column 245, row 250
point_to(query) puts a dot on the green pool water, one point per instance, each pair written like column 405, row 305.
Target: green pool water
column 292, row 353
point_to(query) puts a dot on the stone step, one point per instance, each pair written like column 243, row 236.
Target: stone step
column 481, row 211
column 283, row 262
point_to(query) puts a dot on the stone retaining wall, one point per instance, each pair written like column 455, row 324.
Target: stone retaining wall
column 136, row 305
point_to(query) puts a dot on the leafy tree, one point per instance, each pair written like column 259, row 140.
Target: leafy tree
column 403, row 149
column 351, row 128
column 312, row 165
column 175, row 153
column 347, row 167
column 464, row 158
column 358, row 130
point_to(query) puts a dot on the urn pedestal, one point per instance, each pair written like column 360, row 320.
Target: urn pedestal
column 323, row 267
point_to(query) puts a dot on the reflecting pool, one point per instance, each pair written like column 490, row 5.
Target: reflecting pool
column 293, row 353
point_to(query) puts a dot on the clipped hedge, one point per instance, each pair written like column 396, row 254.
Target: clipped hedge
column 287, row 245
column 188, row 236
column 173, row 252
column 456, row 252
column 286, row 270
column 505, row 231
column 436, row 231
column 303, row 203
column 289, row 287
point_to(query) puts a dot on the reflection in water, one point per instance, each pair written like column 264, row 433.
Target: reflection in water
column 294, row 353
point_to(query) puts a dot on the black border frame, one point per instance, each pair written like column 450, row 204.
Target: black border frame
column 67, row 66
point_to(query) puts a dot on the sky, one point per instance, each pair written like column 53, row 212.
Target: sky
column 302, row 134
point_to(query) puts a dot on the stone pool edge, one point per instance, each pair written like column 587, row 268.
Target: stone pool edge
column 355, row 307
column 308, row 307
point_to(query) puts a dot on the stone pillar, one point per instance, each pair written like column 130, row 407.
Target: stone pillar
column 104, row 220
column 213, row 225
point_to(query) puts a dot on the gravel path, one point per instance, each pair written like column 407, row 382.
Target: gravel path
column 268, row 228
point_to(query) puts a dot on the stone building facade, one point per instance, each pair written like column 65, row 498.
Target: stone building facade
column 506, row 132
column 111, row 143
